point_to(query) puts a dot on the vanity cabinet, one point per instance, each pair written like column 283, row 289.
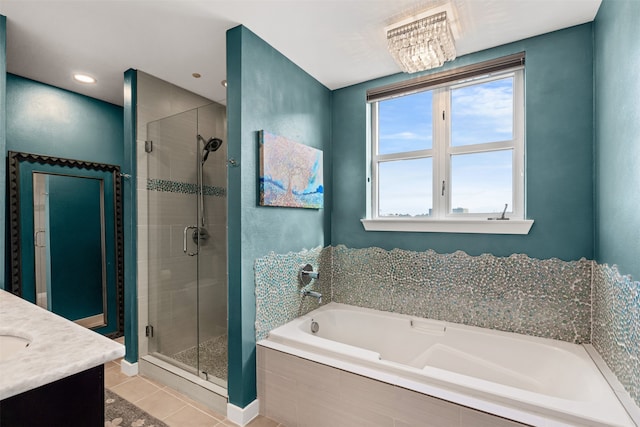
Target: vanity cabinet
column 57, row 380
column 74, row 401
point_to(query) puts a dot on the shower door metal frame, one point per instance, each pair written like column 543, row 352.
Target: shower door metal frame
column 191, row 233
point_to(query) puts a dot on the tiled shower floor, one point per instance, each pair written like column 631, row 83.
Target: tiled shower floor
column 213, row 357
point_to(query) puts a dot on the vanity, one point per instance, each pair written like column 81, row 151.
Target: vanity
column 51, row 369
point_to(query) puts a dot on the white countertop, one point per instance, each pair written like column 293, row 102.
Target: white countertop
column 58, row 348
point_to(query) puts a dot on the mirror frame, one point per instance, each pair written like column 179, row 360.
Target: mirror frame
column 13, row 169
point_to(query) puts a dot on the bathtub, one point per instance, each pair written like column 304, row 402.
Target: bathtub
column 532, row 380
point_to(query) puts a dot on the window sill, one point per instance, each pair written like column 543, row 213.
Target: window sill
column 450, row 226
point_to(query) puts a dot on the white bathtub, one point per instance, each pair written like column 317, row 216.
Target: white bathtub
column 532, row 380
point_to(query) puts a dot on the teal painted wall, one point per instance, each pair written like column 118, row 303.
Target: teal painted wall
column 617, row 135
column 130, row 222
column 43, row 119
column 559, row 156
column 3, row 145
column 74, row 209
column 265, row 91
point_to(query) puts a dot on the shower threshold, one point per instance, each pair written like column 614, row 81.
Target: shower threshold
column 158, row 368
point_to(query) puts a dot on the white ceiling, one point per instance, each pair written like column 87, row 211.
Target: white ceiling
column 339, row 42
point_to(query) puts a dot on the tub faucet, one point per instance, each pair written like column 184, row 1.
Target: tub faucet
column 311, row 274
column 314, row 294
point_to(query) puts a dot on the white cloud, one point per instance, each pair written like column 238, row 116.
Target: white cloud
column 483, row 113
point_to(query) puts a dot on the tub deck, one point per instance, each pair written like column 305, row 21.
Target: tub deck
column 532, row 380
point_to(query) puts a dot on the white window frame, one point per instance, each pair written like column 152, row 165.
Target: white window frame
column 442, row 220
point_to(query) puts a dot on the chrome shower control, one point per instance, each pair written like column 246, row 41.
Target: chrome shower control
column 306, row 273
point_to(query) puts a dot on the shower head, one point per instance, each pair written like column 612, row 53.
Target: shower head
column 211, row 145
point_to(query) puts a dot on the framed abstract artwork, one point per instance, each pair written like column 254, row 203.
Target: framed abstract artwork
column 290, row 173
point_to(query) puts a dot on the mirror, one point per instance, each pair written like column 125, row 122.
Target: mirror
column 66, row 238
column 70, row 206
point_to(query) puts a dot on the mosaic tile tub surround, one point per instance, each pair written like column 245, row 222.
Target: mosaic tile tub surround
column 278, row 289
column 547, row 298
column 616, row 325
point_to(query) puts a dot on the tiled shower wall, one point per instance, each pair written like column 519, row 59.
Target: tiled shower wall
column 165, row 196
column 547, row 298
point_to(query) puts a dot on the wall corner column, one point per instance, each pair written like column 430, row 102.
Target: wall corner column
column 130, row 218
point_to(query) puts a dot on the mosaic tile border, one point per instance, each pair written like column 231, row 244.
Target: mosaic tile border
column 183, row 187
column 616, row 325
column 278, row 289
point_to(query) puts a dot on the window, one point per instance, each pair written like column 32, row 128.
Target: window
column 450, row 156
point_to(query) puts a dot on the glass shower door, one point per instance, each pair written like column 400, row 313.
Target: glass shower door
column 212, row 258
column 172, row 206
column 187, row 293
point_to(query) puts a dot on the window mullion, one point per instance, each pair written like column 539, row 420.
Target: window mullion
column 372, row 193
column 446, row 152
column 483, row 147
column 519, row 209
column 440, row 142
column 409, row 155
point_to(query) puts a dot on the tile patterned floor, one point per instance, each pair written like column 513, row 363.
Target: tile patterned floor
column 166, row 404
column 213, row 356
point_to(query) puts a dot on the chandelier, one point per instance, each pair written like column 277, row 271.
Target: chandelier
column 422, row 44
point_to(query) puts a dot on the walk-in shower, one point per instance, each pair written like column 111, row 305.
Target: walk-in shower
column 187, row 283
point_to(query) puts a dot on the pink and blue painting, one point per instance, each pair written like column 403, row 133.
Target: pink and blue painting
column 290, row 173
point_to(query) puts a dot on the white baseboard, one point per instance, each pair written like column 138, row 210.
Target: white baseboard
column 243, row 416
column 129, row 369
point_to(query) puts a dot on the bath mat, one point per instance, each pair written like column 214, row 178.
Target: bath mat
column 120, row 413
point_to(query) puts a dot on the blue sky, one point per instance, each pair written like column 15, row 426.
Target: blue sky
column 481, row 182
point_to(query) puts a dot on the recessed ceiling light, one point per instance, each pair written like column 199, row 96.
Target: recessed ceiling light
column 196, row 75
column 84, row 78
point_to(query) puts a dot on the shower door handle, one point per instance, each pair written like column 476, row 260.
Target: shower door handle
column 184, row 240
